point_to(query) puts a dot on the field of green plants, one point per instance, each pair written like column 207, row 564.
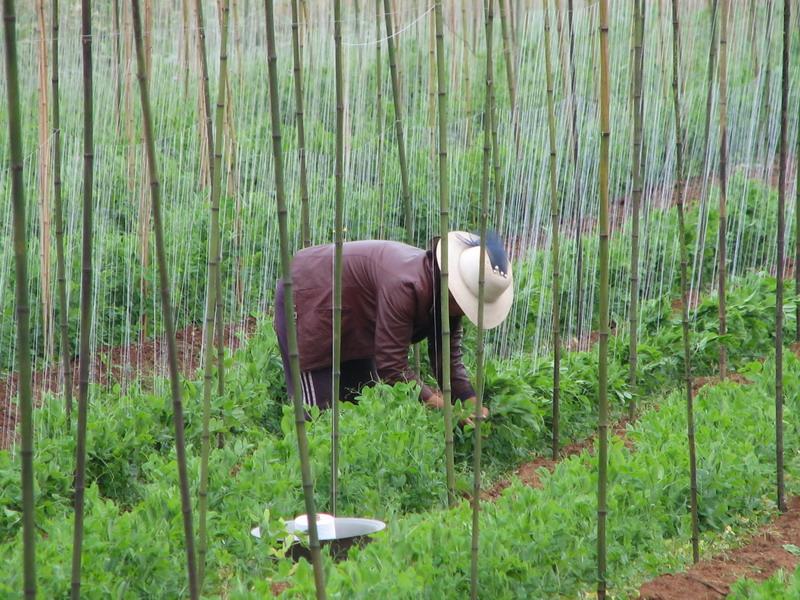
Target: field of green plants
column 537, row 541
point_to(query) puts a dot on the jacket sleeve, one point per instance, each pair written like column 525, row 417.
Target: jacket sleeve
column 394, row 323
column 461, row 388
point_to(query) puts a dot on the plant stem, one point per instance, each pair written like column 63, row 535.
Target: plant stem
column 297, row 61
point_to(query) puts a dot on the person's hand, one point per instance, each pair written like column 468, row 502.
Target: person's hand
column 470, row 403
column 435, row 400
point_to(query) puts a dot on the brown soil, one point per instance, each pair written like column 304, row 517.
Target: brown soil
column 758, row 559
column 530, row 473
column 119, row 364
column 700, row 382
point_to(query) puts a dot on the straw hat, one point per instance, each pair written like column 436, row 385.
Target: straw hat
column 463, row 258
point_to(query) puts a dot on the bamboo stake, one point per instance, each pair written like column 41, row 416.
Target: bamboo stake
column 779, row 283
column 638, row 160
column 679, row 191
column 797, row 232
column 185, row 45
column 66, row 364
column 602, row 508
column 398, row 124
column 86, row 292
column 213, row 294
column 117, row 58
column 723, row 185
column 379, row 118
column 712, row 56
column 338, row 243
column 305, row 220
column 578, row 212
column 490, row 89
column 166, row 303
column 763, row 125
column 507, row 56
column 44, row 184
column 444, row 228
column 479, row 348
column 294, row 359
column 21, row 298
column 554, row 220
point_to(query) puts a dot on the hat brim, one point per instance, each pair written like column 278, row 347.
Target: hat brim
column 494, row 313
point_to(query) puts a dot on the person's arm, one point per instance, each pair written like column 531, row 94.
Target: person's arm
column 394, row 324
column 460, row 385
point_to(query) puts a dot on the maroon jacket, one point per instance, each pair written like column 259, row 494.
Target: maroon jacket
column 387, row 304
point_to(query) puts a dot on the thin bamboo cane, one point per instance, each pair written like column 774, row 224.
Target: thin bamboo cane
column 21, row 299
column 763, row 125
column 490, row 89
column 86, row 293
column 605, row 134
column 294, row 358
column 712, row 56
column 779, row 283
column 166, row 303
column 444, row 228
column 723, row 186
column 479, row 348
column 185, row 45
column 305, row 219
column 507, row 56
column 638, row 159
column 117, row 70
column 213, row 295
column 679, row 192
column 44, row 184
column 797, row 231
column 398, row 124
column 554, row 223
column 338, row 248
column 379, row 118
column 66, row 363
column 578, row 210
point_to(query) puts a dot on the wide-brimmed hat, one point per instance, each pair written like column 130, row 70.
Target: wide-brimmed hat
column 463, row 264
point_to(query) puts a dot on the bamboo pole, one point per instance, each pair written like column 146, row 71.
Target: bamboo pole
column 86, row 293
column 507, row 56
column 398, row 124
column 185, row 45
column 117, row 59
column 305, row 220
column 602, row 508
column 763, row 125
column 294, row 358
column 379, row 118
column 338, row 248
column 638, row 160
column 490, row 89
column 66, row 364
column 44, row 184
column 723, row 185
column 679, row 192
column 479, row 348
column 21, row 299
column 444, row 228
column 779, row 283
column 166, row 303
column 578, row 212
column 797, row 232
column 554, row 222
column 712, row 56
column 213, row 294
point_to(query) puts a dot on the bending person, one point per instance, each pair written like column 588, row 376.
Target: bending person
column 390, row 300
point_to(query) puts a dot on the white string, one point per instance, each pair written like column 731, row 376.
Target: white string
column 394, row 35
